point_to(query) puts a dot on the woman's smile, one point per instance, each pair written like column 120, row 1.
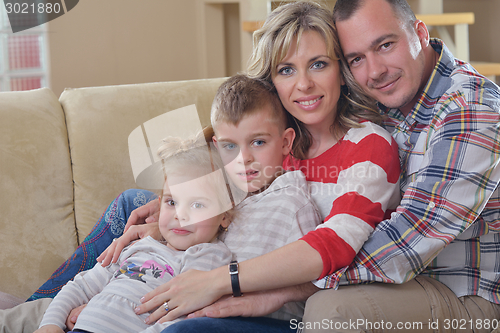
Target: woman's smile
column 309, row 103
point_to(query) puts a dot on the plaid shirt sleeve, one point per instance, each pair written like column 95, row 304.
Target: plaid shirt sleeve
column 447, row 225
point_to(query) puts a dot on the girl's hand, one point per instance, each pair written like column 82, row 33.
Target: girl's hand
column 185, row 293
column 49, row 329
column 134, row 232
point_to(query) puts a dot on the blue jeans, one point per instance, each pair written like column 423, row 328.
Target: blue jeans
column 230, row 325
column 109, row 226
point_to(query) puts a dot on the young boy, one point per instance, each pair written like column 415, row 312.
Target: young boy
column 253, row 137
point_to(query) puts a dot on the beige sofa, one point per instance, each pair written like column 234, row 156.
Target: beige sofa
column 63, row 160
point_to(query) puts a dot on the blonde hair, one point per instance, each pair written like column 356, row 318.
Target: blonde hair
column 271, row 45
column 194, row 157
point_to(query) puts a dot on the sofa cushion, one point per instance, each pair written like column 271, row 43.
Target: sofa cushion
column 7, row 301
column 37, row 226
column 99, row 121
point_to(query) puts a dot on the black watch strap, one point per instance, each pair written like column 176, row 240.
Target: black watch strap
column 235, row 280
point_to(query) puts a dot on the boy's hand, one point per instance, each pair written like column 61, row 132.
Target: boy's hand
column 49, row 329
column 135, row 232
column 73, row 316
column 147, row 213
column 142, row 216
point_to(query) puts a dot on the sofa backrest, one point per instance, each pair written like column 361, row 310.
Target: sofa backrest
column 37, row 225
column 99, row 121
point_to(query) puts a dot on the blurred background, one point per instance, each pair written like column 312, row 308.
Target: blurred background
column 113, row 42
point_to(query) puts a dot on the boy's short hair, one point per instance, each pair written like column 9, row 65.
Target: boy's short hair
column 240, row 96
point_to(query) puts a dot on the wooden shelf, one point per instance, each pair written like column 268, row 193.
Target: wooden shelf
column 487, row 68
column 447, row 19
column 251, row 26
column 429, row 19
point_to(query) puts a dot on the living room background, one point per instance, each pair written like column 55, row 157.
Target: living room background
column 130, row 41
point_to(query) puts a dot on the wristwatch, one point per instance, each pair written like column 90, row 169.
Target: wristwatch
column 235, row 281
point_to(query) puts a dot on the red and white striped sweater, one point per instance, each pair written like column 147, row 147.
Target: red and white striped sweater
column 354, row 184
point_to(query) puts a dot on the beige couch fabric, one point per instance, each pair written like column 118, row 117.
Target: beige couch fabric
column 37, row 226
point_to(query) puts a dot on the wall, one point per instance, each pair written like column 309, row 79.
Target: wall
column 132, row 41
column 123, row 41
column 483, row 34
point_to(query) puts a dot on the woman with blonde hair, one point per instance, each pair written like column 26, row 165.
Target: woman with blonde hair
column 351, row 165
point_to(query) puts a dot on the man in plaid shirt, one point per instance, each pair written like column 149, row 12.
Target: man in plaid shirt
column 441, row 247
column 438, row 256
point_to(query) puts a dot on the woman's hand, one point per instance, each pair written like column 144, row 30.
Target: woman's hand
column 257, row 304
column 134, row 232
column 49, row 329
column 73, row 316
column 185, row 293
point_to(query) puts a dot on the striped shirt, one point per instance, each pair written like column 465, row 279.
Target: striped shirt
column 353, row 183
column 113, row 292
column 266, row 221
column 447, row 225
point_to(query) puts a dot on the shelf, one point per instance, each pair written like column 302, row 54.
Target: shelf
column 429, row 19
column 487, row 68
column 447, row 19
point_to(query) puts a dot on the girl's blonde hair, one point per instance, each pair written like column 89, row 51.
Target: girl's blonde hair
column 194, row 158
column 271, row 44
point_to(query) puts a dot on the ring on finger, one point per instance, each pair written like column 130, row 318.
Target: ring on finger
column 165, row 306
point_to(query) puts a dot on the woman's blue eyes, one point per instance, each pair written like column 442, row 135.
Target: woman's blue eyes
column 285, row 71
column 315, row 65
column 319, row 65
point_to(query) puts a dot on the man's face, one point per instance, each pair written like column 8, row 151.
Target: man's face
column 384, row 54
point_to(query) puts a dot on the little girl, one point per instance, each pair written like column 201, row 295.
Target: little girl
column 194, row 208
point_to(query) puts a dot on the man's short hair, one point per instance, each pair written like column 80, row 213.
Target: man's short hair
column 344, row 9
column 240, row 96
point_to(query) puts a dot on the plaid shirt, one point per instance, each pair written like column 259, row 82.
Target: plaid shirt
column 447, row 225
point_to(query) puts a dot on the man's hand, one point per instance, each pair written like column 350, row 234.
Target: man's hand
column 111, row 254
column 255, row 304
column 49, row 329
column 73, row 316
